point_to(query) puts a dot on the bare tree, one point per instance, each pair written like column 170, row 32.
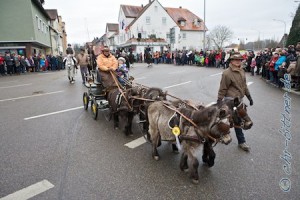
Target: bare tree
column 219, row 35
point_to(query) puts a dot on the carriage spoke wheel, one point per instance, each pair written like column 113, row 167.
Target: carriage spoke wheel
column 86, row 100
column 94, row 108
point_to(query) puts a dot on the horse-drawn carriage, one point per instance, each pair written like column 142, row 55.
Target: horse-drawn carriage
column 95, row 96
column 164, row 120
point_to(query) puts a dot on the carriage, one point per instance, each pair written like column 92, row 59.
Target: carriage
column 95, row 96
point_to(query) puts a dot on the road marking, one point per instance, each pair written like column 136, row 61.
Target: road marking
column 249, row 83
column 29, row 191
column 8, row 82
column 216, row 74
column 47, row 73
column 140, row 78
column 15, row 86
column 177, row 84
column 135, row 143
column 35, row 95
column 53, row 113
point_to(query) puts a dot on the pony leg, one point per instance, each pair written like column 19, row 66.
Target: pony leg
column 183, row 162
column 154, row 139
column 128, row 127
column 116, row 121
column 194, row 170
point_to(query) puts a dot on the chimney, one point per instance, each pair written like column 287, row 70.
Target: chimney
column 149, row 1
column 180, row 7
column 142, row 6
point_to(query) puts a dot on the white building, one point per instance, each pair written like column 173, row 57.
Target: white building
column 158, row 27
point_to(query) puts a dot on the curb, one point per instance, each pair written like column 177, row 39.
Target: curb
column 286, row 90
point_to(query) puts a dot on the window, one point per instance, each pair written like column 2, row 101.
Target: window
column 182, row 23
column 168, row 35
column 155, row 8
column 148, row 20
column 37, row 21
column 184, row 36
column 164, row 20
column 47, row 29
column 40, row 24
column 43, row 28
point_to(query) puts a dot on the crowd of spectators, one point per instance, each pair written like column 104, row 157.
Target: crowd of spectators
column 17, row 64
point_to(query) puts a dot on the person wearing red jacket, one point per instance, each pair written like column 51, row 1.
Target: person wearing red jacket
column 2, row 70
column 272, row 66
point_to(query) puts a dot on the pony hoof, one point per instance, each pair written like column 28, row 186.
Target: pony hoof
column 156, row 158
column 195, row 181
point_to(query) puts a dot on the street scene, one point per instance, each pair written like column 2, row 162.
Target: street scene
column 162, row 102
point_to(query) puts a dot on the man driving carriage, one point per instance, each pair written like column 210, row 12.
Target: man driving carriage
column 107, row 63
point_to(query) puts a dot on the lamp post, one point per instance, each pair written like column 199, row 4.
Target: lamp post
column 283, row 42
column 204, row 28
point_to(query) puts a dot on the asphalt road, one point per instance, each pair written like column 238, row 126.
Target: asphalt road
column 51, row 148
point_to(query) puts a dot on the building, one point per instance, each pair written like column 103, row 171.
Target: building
column 26, row 31
column 158, row 28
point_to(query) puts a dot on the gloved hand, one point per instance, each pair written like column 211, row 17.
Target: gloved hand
column 250, row 100
column 219, row 102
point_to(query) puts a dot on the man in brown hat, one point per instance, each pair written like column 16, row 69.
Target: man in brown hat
column 233, row 84
column 107, row 62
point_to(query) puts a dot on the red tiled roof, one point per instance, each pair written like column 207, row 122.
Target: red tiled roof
column 112, row 27
column 131, row 11
column 182, row 14
column 52, row 13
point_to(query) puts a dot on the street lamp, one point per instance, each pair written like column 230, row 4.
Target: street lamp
column 283, row 42
column 204, row 28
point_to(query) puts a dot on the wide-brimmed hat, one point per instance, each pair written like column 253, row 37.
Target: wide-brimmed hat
column 105, row 48
column 236, row 56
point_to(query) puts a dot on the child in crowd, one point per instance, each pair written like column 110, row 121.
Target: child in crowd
column 122, row 71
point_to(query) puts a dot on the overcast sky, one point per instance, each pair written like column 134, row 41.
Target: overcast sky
column 86, row 19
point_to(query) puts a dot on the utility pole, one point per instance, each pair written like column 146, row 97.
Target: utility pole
column 204, row 37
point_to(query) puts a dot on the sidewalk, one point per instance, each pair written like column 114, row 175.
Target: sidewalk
column 292, row 89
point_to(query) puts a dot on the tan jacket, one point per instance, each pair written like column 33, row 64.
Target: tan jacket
column 104, row 65
column 233, row 83
column 82, row 59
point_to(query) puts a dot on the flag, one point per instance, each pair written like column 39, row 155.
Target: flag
column 123, row 24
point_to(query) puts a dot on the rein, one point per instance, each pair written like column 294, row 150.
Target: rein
column 193, row 123
column 120, row 90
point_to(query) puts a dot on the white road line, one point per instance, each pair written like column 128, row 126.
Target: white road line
column 135, row 143
column 216, row 74
column 8, row 82
column 53, row 113
column 29, row 191
column 35, row 95
column 140, row 78
column 177, row 84
column 249, row 83
column 15, row 86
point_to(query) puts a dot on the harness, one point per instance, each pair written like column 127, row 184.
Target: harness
column 200, row 138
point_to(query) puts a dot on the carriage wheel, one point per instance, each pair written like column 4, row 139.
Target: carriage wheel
column 94, row 108
column 86, row 100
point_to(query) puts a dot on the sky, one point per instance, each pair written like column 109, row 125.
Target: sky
column 249, row 20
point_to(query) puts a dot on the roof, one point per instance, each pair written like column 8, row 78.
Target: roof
column 144, row 8
column 40, row 7
column 182, row 14
column 112, row 27
column 131, row 11
column 52, row 13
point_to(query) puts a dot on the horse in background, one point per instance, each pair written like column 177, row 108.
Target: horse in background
column 70, row 63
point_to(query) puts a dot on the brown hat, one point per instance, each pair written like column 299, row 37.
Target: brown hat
column 236, row 56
